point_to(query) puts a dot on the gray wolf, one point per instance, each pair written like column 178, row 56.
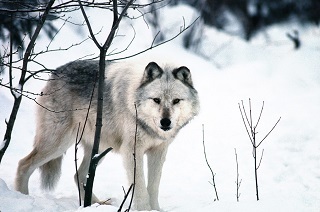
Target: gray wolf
column 165, row 98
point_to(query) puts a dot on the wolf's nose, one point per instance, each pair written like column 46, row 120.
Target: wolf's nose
column 165, row 122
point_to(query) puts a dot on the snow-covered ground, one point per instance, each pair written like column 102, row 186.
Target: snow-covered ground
column 266, row 69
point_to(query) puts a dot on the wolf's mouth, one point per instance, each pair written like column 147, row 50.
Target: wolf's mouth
column 165, row 128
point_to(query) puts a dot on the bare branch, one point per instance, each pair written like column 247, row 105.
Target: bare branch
column 134, row 158
column 116, row 22
column 238, row 183
column 260, row 159
column 126, row 194
column 155, row 37
column 250, row 113
column 64, row 23
column 253, row 138
column 102, row 60
column 101, row 155
column 244, row 122
column 159, row 44
column 88, row 24
column 127, row 47
column 17, row 99
column 44, row 107
column 205, row 156
column 269, row 132
column 249, row 121
column 10, row 67
column 260, row 114
column 76, row 163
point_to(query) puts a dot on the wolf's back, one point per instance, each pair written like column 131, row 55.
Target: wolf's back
column 78, row 76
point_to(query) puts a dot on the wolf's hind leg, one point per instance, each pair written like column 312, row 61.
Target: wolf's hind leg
column 33, row 161
column 47, row 152
column 25, row 169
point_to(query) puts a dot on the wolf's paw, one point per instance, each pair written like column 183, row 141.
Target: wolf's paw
column 142, row 206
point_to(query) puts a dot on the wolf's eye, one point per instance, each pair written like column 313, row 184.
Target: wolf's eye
column 157, row 100
column 176, row 101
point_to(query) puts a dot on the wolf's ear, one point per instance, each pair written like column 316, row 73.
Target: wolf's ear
column 151, row 72
column 183, row 74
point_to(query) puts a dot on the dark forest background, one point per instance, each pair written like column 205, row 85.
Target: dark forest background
column 254, row 15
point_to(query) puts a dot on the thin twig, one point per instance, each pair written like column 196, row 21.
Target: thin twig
column 79, row 140
column 88, row 24
column 250, row 113
column 26, row 57
column 244, row 122
column 260, row 115
column 126, row 194
column 238, row 183
column 245, row 113
column 205, row 156
column 116, row 22
column 134, row 158
column 269, row 132
column 11, row 58
column 249, row 124
column 260, row 159
column 76, row 164
column 159, row 44
column 112, row 53
column 155, row 37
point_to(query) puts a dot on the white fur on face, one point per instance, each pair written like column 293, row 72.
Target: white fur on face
column 169, row 99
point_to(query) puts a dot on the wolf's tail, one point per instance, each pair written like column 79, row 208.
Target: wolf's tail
column 50, row 173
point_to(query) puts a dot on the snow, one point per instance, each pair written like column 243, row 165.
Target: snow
column 2, row 144
column 17, row 91
column 96, row 155
column 266, row 69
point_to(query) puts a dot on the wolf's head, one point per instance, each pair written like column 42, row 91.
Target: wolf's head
column 166, row 100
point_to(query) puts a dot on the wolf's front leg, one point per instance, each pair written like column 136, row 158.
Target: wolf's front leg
column 156, row 158
column 141, row 196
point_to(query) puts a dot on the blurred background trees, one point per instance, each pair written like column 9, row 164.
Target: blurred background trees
column 19, row 17
column 244, row 18
column 253, row 15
